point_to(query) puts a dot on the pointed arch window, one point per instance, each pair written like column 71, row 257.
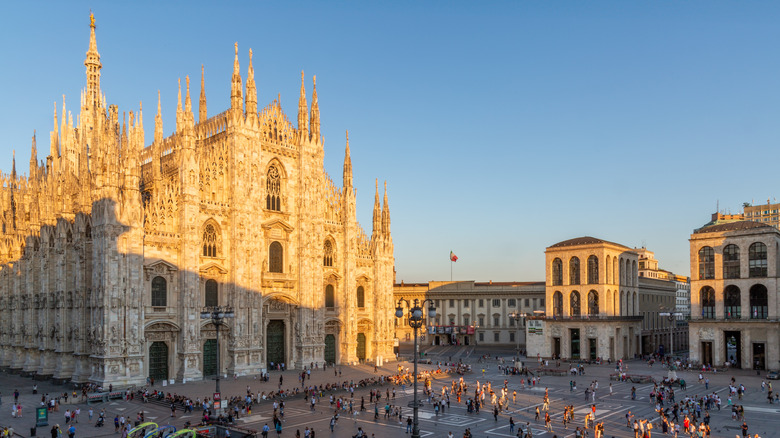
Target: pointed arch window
column 593, row 270
column 557, row 272
column 275, row 257
column 330, row 297
column 574, row 270
column 574, row 304
column 757, row 260
column 212, row 293
column 273, row 187
column 209, row 241
column 328, row 258
column 159, row 292
column 731, row 261
column 593, row 303
column 557, row 304
column 361, row 297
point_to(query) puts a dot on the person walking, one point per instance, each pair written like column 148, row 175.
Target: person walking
column 511, row 425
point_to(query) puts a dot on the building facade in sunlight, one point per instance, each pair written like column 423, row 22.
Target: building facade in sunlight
column 111, row 248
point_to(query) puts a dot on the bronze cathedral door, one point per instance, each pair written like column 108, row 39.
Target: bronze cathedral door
column 275, row 342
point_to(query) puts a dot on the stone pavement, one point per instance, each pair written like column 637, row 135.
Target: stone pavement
column 761, row 416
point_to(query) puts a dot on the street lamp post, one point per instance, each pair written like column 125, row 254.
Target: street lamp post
column 416, row 320
column 671, row 317
column 217, row 315
column 516, row 316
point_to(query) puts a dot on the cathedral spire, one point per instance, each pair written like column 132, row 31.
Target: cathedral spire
column 251, row 89
column 33, row 158
column 188, row 104
column 377, row 222
column 202, row 114
column 236, row 100
column 13, row 166
column 179, row 112
column 158, row 126
column 315, row 114
column 385, row 215
column 303, row 113
column 92, row 63
column 347, row 166
column 55, row 136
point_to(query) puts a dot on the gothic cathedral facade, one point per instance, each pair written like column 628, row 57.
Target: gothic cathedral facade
column 111, row 249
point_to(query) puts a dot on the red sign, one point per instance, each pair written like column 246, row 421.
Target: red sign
column 216, row 396
column 469, row 330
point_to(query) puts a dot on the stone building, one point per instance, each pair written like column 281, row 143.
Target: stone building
column 111, row 248
column 734, row 295
column 659, row 292
column 473, row 313
column 592, row 302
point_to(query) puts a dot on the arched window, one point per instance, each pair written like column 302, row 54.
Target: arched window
column 732, row 306
column 706, row 263
column 593, row 270
column 759, row 304
column 607, row 271
column 273, row 187
column 557, row 304
column 574, row 271
column 593, row 303
column 615, row 269
column 557, row 272
column 330, row 297
column 574, row 304
column 361, row 297
column 209, row 241
column 275, row 257
column 757, row 260
column 328, row 259
column 159, row 292
column 212, row 293
column 707, row 299
column 731, row 261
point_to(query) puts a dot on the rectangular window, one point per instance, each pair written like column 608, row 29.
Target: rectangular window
column 511, row 336
column 481, row 303
column 465, row 320
column 511, row 302
column 452, row 303
column 437, row 303
column 511, row 322
column 496, row 303
column 466, row 303
column 527, row 302
column 452, row 320
column 481, row 337
column 481, row 321
column 496, row 321
column 495, row 337
column 541, row 302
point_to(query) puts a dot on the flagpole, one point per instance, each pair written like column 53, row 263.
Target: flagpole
column 450, row 269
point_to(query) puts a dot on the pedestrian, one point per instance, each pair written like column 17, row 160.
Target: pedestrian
column 511, row 425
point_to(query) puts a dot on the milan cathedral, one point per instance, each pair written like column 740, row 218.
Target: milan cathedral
column 111, row 249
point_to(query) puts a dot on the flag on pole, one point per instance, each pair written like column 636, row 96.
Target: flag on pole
column 453, row 257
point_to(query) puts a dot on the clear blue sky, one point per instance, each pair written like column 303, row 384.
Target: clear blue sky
column 501, row 127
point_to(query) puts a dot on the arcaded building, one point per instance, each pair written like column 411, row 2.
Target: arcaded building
column 112, row 246
column 592, row 302
column 734, row 295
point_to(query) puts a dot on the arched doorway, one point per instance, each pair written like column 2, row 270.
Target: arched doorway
column 210, row 357
column 330, row 349
column 361, row 346
column 158, row 361
column 275, row 342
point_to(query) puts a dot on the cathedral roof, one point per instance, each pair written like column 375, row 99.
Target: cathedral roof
column 585, row 240
column 731, row 226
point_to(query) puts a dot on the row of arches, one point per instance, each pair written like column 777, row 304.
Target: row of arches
column 625, row 268
column 757, row 302
column 617, row 303
column 731, row 262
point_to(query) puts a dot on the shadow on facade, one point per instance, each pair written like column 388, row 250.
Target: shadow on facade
column 87, row 299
